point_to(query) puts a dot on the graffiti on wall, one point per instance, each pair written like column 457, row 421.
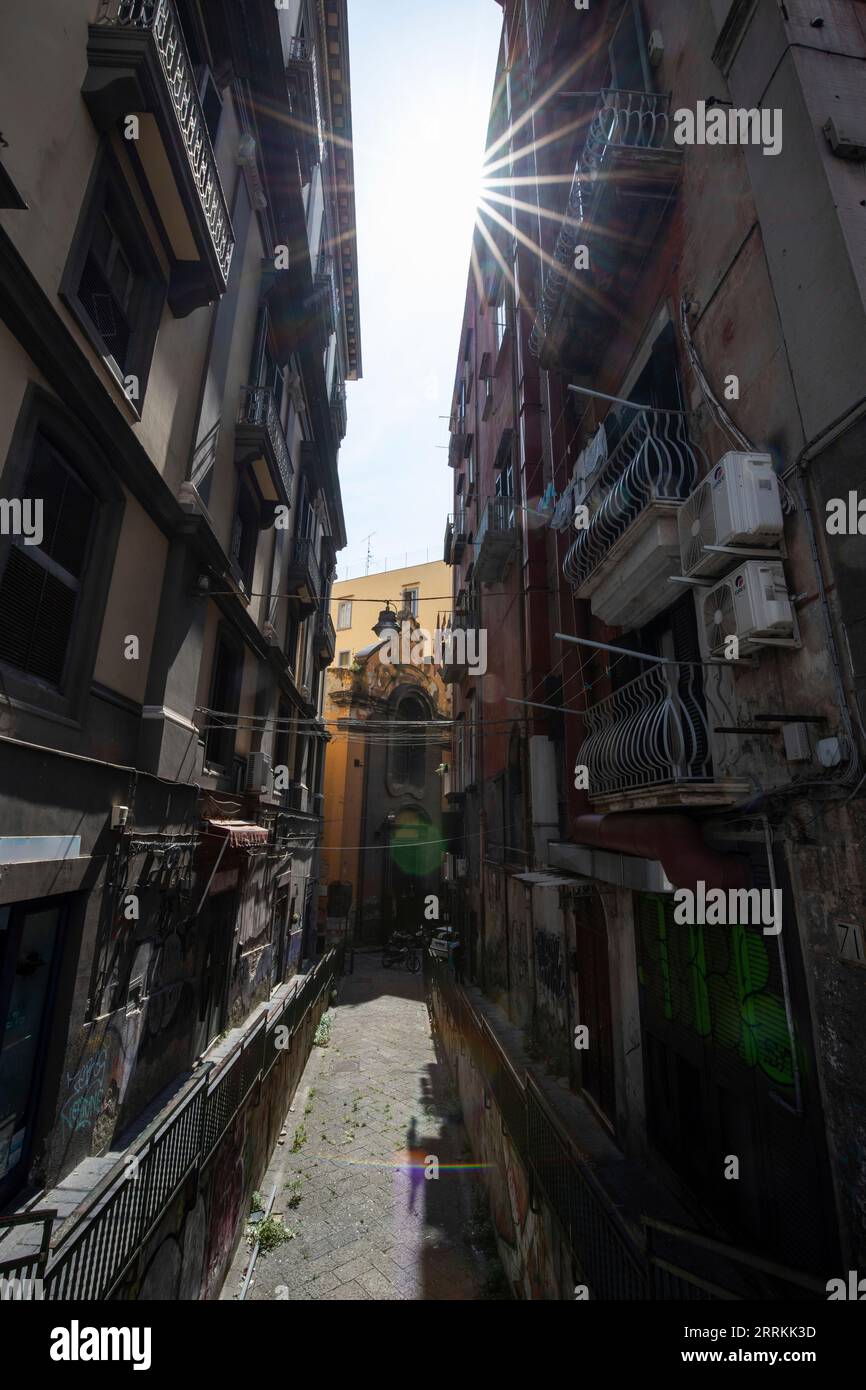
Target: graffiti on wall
column 549, row 963
column 84, row 1091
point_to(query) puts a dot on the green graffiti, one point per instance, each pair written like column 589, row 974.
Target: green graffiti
column 716, row 981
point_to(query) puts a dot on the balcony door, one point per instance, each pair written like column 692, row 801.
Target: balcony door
column 592, row 1068
column 29, row 949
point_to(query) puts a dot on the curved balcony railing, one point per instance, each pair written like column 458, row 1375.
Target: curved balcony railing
column 627, row 121
column 159, row 18
column 259, row 411
column 654, row 462
column 651, row 732
column 624, row 123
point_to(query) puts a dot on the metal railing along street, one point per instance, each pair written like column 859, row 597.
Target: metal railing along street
column 103, row 1238
column 619, row 1261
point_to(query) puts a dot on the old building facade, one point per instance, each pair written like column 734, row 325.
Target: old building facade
column 178, row 319
column 387, row 711
column 658, row 325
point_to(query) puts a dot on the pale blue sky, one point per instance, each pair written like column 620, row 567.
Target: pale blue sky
column 422, row 79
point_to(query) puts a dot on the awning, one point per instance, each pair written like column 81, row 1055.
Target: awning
column 545, row 880
column 239, row 834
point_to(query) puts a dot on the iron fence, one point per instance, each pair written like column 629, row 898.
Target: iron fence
column 656, row 1261
column 97, row 1249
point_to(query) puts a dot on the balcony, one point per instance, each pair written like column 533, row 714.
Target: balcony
column 622, row 560
column 455, row 664
column 648, row 745
column 137, row 64
column 338, row 409
column 496, row 540
column 325, row 640
column 304, row 575
column 455, row 537
column 326, row 284
column 260, row 441
column 622, row 186
column 459, row 440
column 302, row 79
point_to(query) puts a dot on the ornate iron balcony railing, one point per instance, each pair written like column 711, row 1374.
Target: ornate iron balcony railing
column 304, row 564
column 625, row 125
column 653, row 462
column 652, row 732
column 159, row 18
column 326, row 279
column 338, row 408
column 259, row 411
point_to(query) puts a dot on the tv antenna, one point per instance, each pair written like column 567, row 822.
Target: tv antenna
column 369, row 561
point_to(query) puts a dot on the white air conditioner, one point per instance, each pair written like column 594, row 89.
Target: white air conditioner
column 259, row 774
column 752, row 604
column 737, row 504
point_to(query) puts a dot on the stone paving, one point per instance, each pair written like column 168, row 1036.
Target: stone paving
column 371, row 1106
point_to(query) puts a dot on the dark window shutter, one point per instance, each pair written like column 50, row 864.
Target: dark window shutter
column 40, row 584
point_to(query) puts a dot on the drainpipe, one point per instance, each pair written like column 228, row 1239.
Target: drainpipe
column 675, row 840
column 783, row 969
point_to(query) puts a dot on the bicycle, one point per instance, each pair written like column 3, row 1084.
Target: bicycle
column 402, row 948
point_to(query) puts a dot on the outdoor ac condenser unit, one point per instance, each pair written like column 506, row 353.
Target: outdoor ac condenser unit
column 752, row 604
column 259, row 775
column 737, row 504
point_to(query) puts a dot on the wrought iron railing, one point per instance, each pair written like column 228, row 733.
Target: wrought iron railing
column 259, row 410
column 619, row 1260
column 326, row 279
column 303, row 560
column 338, row 408
column 625, row 123
column 498, row 515
column 159, row 17
column 655, row 461
column 104, row 1237
column 651, row 732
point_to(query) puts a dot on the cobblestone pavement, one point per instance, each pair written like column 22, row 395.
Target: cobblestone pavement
column 371, row 1106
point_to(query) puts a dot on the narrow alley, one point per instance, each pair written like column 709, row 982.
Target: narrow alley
column 374, row 1103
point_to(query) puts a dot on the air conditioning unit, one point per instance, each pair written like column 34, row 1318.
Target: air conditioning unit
column 259, row 774
column 752, row 604
column 737, row 504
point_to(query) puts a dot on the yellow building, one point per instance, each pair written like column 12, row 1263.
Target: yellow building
column 355, row 603
column 382, row 786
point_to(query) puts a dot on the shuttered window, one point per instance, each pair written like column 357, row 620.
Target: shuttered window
column 40, row 586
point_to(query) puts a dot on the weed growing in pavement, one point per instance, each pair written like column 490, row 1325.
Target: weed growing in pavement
column 256, row 1203
column 270, row 1234
column 296, row 1192
column 323, row 1033
column 479, row 1234
column 300, row 1138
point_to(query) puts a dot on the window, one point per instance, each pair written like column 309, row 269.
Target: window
column 472, row 748
column 500, row 318
column 344, row 615
column 41, row 584
column 224, row 703
column 245, row 532
column 343, row 659
column 504, row 487
column 629, row 65
column 470, row 467
column 410, row 602
column 113, row 284
column 409, row 750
